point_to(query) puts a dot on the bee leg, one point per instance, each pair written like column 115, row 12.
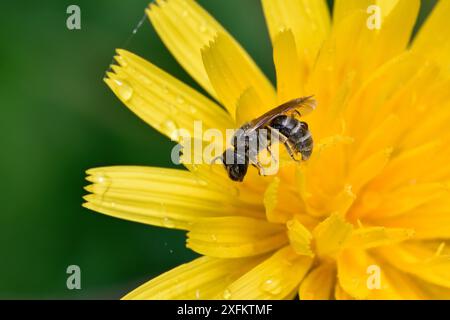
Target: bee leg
column 284, row 140
column 259, row 167
column 289, row 149
column 271, row 154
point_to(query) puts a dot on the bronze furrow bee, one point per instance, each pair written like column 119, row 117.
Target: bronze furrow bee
column 282, row 121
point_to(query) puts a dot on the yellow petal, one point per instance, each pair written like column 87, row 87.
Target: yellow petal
column 409, row 165
column 340, row 294
column 433, row 40
column 344, row 8
column 202, row 279
column 370, row 237
column 282, row 204
column 300, row 238
column 356, row 272
column 163, row 197
column 397, row 285
column 352, row 268
column 248, row 106
column 402, row 200
column 354, row 52
column 234, row 237
column 428, row 222
column 331, row 234
column 369, row 168
column 308, row 20
column 162, row 101
column 185, row 28
column 434, row 124
column 231, row 72
column 273, row 279
column 324, row 177
column 398, row 20
column 376, row 93
column 419, row 260
column 383, row 136
column 318, row 284
column 290, row 72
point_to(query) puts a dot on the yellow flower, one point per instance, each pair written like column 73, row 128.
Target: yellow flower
column 367, row 217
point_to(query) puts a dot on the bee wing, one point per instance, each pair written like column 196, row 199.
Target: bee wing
column 301, row 106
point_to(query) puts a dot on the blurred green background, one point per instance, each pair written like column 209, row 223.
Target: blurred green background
column 58, row 119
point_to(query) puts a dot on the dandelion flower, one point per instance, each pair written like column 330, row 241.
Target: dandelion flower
column 367, row 217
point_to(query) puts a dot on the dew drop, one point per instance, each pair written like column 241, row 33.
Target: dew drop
column 197, row 294
column 171, row 129
column 172, row 108
column 227, row 294
column 192, row 110
column 203, row 28
column 101, row 184
column 121, row 61
column 125, row 91
column 202, row 182
column 168, row 223
column 179, row 100
column 271, row 286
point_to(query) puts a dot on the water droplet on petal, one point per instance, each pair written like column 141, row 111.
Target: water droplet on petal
column 202, row 182
column 125, row 91
column 101, row 184
column 171, row 130
column 203, row 28
column 192, row 110
column 121, row 60
column 197, row 294
column 227, row 294
column 172, row 108
column 179, row 100
column 271, row 286
column 168, row 223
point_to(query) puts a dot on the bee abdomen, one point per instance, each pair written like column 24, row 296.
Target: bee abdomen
column 284, row 125
column 304, row 146
column 296, row 132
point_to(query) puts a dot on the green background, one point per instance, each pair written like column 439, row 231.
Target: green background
column 58, row 119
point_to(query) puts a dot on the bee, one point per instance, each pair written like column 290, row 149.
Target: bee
column 282, row 121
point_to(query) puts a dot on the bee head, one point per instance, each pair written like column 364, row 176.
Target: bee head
column 235, row 164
